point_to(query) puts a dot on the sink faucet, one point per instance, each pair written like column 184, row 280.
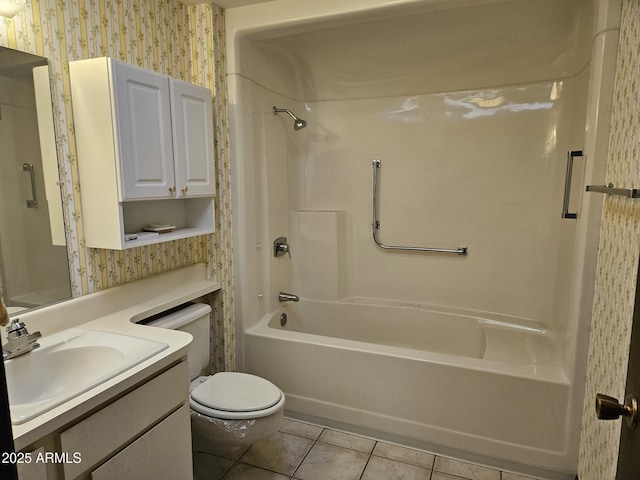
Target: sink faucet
column 20, row 341
column 288, row 297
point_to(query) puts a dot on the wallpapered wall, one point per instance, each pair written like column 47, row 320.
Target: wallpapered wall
column 161, row 35
column 188, row 42
column 617, row 261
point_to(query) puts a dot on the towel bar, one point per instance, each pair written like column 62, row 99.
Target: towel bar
column 609, row 189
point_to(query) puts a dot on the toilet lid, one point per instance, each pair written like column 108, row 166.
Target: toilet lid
column 237, row 392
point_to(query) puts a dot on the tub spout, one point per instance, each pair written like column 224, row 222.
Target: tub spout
column 288, row 297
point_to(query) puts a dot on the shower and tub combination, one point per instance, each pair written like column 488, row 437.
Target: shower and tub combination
column 442, row 253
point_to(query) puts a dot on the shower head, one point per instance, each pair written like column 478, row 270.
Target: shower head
column 298, row 123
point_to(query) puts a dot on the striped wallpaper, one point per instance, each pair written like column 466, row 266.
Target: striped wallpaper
column 618, row 255
column 161, row 35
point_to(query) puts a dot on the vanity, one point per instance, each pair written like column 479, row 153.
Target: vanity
column 133, row 423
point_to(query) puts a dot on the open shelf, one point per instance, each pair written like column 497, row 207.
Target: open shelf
column 176, row 234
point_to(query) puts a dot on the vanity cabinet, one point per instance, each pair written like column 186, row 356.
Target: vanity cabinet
column 145, row 153
column 145, row 433
column 35, row 470
column 162, row 452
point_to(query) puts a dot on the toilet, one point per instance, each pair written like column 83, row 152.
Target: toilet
column 229, row 410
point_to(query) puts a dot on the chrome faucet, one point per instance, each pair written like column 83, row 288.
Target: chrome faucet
column 288, row 297
column 20, row 341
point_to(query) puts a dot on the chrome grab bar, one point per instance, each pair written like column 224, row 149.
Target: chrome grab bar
column 609, row 189
column 28, row 167
column 571, row 154
column 376, row 224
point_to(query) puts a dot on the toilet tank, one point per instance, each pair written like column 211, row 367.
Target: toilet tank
column 193, row 319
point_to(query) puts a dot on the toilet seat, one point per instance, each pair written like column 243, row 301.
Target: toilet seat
column 236, row 396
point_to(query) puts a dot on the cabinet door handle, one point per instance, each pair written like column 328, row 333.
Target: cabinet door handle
column 172, row 189
column 184, row 189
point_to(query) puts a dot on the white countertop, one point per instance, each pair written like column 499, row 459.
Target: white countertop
column 115, row 310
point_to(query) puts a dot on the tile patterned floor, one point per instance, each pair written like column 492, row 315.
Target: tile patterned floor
column 302, row 451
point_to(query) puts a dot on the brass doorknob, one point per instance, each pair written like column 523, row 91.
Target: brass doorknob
column 608, row 408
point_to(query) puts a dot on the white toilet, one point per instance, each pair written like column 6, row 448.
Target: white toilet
column 229, row 410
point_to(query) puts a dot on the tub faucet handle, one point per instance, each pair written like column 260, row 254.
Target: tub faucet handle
column 280, row 247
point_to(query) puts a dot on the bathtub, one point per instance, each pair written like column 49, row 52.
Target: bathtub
column 442, row 377
column 473, row 107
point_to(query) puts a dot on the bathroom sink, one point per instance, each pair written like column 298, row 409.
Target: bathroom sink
column 67, row 364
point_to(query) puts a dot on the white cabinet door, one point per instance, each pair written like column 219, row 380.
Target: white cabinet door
column 163, row 453
column 193, row 139
column 143, row 110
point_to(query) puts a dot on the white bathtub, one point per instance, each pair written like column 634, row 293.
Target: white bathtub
column 443, row 377
column 472, row 107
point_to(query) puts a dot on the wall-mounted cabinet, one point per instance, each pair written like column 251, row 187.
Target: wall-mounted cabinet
column 145, row 153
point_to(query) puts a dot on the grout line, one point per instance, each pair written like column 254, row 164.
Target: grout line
column 306, row 454
column 235, row 462
column 368, row 460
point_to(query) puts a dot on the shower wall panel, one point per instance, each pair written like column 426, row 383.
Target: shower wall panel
column 480, row 168
column 473, row 151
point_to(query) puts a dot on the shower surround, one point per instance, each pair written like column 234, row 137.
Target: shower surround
column 471, row 108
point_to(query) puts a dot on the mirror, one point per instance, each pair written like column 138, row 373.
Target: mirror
column 34, row 269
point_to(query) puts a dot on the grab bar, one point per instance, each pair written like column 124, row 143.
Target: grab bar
column 376, row 224
column 609, row 189
column 571, row 154
column 28, row 167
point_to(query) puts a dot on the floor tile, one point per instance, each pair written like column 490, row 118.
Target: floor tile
column 241, row 471
column 326, row 461
column 514, row 476
column 404, row 454
column 380, row 468
column 209, row 467
column 444, row 476
column 301, row 429
column 346, row 440
column 280, row 453
column 233, row 454
column 465, row 470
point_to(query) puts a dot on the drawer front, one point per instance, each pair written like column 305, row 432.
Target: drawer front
column 104, row 432
column 35, row 470
column 163, row 453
